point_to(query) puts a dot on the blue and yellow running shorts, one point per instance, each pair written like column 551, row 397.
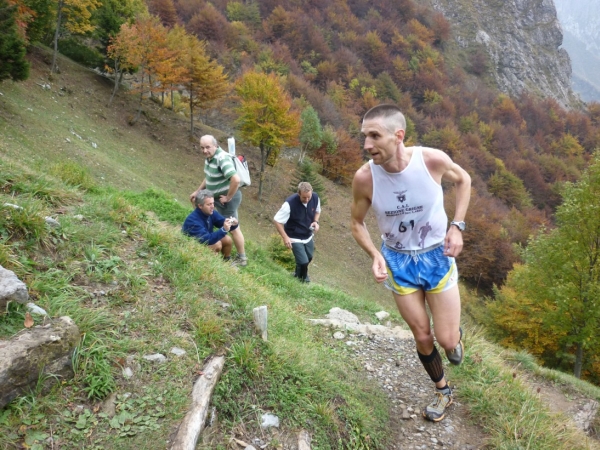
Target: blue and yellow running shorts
column 412, row 270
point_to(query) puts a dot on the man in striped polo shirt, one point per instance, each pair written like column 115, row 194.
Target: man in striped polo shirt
column 222, row 180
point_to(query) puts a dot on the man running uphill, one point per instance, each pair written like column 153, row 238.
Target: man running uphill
column 416, row 259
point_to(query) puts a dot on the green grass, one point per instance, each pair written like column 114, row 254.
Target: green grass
column 159, row 290
column 512, row 415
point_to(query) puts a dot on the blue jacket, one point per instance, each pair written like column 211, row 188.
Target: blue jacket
column 200, row 226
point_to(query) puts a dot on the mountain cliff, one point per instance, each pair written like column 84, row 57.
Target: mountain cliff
column 522, row 40
column 580, row 22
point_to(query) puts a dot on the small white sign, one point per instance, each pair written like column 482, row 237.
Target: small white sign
column 231, row 145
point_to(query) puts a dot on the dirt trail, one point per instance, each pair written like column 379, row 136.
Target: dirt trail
column 393, row 364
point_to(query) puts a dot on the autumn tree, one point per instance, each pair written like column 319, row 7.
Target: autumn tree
column 143, row 45
column 119, row 49
column 488, row 254
column 177, row 73
column 22, row 16
column 265, row 119
column 203, row 79
column 517, row 322
column 75, row 16
column 562, row 268
column 165, row 9
column 209, row 24
column 508, row 187
column 311, row 132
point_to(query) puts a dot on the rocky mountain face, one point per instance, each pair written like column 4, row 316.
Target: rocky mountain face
column 522, row 39
column 580, row 21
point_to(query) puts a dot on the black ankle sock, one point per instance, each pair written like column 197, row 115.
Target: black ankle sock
column 444, row 390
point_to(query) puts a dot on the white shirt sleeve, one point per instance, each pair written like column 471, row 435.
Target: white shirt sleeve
column 318, row 205
column 283, row 215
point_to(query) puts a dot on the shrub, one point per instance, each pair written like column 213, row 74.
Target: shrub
column 280, row 253
column 80, row 53
column 74, row 175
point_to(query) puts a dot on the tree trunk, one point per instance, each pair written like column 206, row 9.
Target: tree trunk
column 191, row 116
column 578, row 360
column 118, row 75
column 302, row 155
column 263, row 160
column 56, row 33
column 139, row 111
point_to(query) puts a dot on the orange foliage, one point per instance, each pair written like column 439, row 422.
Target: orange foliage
column 422, row 33
column 187, row 8
column 440, row 27
column 144, row 45
column 506, row 112
column 517, row 322
column 209, row 24
column 340, row 165
column 487, row 255
column 327, row 71
column 23, row 17
column 165, row 9
column 335, row 52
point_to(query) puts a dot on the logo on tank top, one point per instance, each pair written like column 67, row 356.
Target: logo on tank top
column 401, row 196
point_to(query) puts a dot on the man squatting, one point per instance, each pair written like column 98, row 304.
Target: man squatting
column 223, row 181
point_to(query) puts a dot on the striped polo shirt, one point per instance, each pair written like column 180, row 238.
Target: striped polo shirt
column 218, row 170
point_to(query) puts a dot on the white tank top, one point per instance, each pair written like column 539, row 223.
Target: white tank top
column 409, row 205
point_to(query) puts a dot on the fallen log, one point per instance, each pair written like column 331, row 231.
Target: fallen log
column 193, row 422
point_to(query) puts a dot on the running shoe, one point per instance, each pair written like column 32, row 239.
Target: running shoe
column 240, row 261
column 457, row 354
column 436, row 410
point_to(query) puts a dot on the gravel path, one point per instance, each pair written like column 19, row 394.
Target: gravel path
column 393, row 363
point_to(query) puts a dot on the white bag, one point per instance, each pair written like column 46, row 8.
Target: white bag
column 241, row 167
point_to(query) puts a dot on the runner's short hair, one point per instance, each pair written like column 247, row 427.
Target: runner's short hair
column 393, row 119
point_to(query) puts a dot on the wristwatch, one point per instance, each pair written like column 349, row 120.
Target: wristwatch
column 460, row 225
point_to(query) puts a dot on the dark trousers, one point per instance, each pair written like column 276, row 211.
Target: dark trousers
column 303, row 253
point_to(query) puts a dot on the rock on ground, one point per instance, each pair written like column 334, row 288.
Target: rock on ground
column 42, row 350
column 11, row 288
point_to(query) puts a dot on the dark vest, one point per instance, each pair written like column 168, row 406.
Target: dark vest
column 301, row 216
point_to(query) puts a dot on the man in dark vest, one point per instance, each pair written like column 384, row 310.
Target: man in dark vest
column 296, row 222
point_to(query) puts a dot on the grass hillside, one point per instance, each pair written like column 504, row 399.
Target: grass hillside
column 119, row 267
column 71, row 122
